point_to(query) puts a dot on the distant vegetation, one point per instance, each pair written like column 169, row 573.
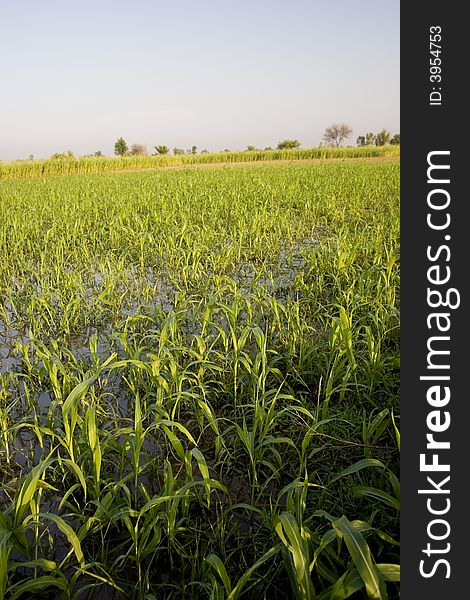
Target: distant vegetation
column 336, row 134
column 67, row 164
column 62, row 155
column 120, row 147
column 162, row 149
column 378, row 139
column 138, row 150
column 288, row 145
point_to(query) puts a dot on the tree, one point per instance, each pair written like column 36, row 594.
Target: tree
column 288, row 144
column 361, row 140
column 336, row 134
column 193, row 149
column 138, row 150
column 395, row 140
column 250, row 148
column 162, row 149
column 382, row 138
column 370, row 138
column 178, row 151
column 59, row 155
column 120, row 147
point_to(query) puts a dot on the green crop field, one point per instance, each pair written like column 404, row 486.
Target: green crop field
column 86, row 165
column 199, row 382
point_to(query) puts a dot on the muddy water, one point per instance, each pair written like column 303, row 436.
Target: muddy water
column 278, row 280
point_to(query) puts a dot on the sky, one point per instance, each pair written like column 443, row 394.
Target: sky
column 216, row 74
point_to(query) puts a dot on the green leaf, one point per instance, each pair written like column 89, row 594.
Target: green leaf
column 28, row 489
column 237, row 590
column 397, row 432
column 78, row 472
column 215, row 562
column 201, row 463
column 175, row 442
column 37, row 585
column 390, row 572
column 358, row 466
column 361, row 556
column 349, row 583
column 182, row 428
column 43, row 563
column 69, row 533
column 94, row 441
column 376, row 494
column 77, row 392
column 293, row 538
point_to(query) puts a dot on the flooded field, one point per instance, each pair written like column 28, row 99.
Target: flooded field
column 199, row 377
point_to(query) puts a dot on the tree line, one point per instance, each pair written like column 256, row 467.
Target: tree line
column 122, row 149
column 338, row 132
column 335, row 135
column 378, row 139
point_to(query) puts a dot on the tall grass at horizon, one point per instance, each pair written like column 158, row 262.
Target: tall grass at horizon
column 24, row 169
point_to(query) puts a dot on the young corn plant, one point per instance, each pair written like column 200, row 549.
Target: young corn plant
column 342, row 361
column 362, row 572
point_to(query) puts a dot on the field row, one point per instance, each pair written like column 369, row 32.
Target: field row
column 87, row 165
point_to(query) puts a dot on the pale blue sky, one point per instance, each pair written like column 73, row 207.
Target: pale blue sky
column 214, row 73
